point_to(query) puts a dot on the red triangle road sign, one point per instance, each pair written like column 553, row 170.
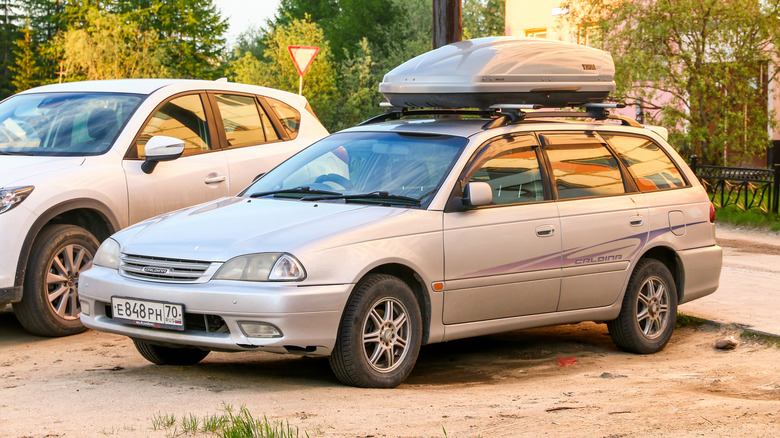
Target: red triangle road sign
column 303, row 56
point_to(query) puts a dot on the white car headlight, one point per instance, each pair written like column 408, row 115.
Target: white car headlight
column 13, row 196
column 108, row 254
column 262, row 267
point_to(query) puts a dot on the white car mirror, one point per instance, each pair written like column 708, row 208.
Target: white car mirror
column 161, row 148
column 477, row 194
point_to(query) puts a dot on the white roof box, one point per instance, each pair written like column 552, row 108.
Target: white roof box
column 482, row 72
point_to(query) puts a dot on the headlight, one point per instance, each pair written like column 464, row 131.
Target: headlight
column 13, row 196
column 262, row 267
column 108, row 254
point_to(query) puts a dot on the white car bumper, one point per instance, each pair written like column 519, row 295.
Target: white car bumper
column 308, row 317
column 14, row 225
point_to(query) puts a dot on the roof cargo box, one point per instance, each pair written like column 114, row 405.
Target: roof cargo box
column 482, row 72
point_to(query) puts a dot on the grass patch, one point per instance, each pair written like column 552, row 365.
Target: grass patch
column 753, row 218
column 761, row 338
column 228, row 424
column 684, row 320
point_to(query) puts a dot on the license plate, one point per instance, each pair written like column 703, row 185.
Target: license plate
column 156, row 314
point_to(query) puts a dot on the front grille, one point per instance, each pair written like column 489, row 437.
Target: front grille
column 165, row 269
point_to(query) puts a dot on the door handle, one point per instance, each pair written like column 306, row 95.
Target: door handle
column 636, row 221
column 214, row 179
column 545, row 230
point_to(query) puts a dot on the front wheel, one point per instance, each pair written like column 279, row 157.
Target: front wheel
column 50, row 303
column 649, row 310
column 379, row 336
column 159, row 355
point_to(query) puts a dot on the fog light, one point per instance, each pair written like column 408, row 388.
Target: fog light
column 259, row 330
column 85, row 307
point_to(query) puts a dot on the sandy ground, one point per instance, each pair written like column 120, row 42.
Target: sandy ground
column 508, row 385
column 95, row 384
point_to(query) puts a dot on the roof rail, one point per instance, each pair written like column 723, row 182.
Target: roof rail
column 505, row 114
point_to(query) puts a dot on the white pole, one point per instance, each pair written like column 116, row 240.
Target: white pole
column 300, row 85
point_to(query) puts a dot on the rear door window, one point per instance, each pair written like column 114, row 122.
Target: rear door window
column 245, row 123
column 648, row 164
column 582, row 166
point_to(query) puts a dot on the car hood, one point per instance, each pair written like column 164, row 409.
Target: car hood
column 223, row 229
column 15, row 168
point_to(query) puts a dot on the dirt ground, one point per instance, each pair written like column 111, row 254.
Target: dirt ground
column 514, row 384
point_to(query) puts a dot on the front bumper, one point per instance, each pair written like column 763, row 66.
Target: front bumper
column 14, row 227
column 308, row 316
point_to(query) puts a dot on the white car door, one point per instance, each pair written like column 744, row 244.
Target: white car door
column 254, row 142
column 199, row 175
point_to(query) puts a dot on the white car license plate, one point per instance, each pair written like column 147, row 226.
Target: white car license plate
column 156, row 314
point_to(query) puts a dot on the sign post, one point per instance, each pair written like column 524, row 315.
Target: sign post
column 302, row 57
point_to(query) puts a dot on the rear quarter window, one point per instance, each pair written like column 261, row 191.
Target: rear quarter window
column 649, row 165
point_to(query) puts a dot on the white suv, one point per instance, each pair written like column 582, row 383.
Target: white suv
column 78, row 162
column 410, row 230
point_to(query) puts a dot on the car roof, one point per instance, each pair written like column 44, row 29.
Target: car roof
column 135, row 86
column 459, row 127
column 149, row 86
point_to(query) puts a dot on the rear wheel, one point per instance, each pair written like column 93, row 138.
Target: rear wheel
column 649, row 311
column 379, row 336
column 50, row 304
column 159, row 355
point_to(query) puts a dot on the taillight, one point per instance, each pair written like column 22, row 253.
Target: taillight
column 712, row 213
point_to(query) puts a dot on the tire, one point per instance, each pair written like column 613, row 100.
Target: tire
column 159, row 355
column 50, row 305
column 384, row 308
column 649, row 311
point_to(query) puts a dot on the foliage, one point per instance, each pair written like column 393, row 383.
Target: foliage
column 753, row 218
column 227, row 424
column 27, row 72
column 482, row 18
column 109, row 46
column 276, row 69
column 345, row 23
column 701, row 63
column 9, row 34
column 358, row 87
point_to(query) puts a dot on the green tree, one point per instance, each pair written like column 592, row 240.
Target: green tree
column 701, row 63
column 109, row 46
column 345, row 23
column 193, row 31
column 358, row 86
column 25, row 69
column 9, row 34
column 482, row 18
column 276, row 69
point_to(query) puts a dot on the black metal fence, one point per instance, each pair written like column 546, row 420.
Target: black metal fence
column 743, row 187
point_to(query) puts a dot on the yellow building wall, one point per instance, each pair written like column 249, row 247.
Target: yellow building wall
column 531, row 17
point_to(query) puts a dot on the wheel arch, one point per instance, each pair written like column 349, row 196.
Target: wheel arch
column 672, row 261
column 90, row 214
column 415, row 283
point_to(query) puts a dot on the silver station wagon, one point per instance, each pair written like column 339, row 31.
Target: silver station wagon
column 421, row 227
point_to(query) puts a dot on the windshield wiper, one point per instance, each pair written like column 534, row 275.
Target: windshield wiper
column 302, row 189
column 16, row 153
column 372, row 197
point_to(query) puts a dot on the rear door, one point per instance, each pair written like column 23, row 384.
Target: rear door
column 604, row 219
column 503, row 260
column 254, row 138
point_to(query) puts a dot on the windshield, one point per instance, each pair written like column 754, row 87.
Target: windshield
column 63, row 124
column 385, row 168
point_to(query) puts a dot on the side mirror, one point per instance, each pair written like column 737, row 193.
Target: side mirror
column 477, row 194
column 161, row 148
